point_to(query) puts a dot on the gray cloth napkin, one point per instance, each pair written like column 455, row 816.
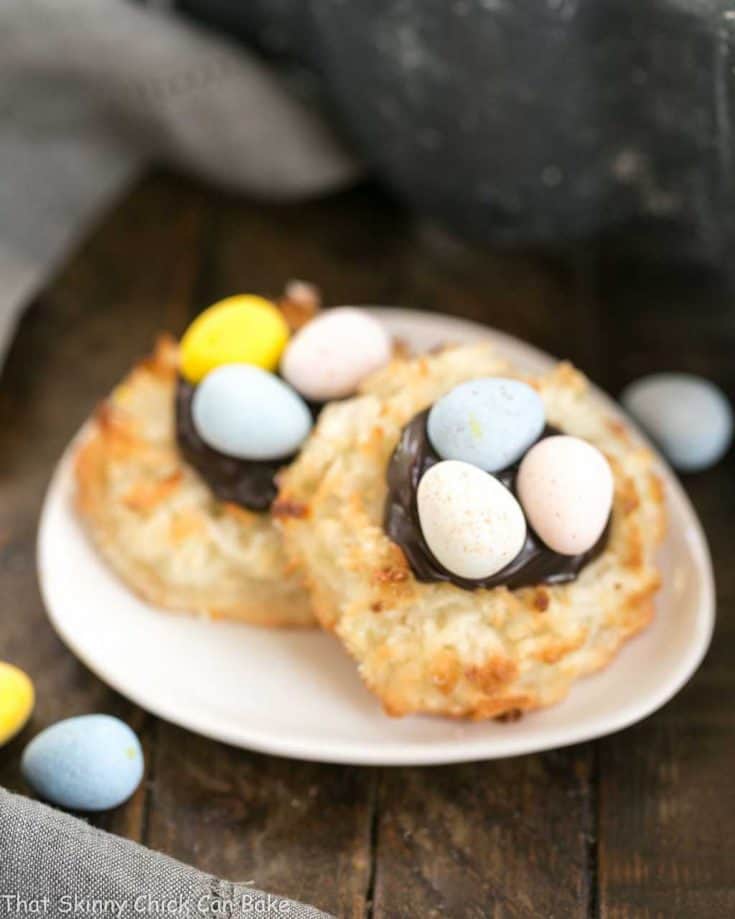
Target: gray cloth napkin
column 93, row 90
column 54, row 865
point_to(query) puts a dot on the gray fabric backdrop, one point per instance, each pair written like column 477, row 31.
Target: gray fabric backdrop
column 93, row 90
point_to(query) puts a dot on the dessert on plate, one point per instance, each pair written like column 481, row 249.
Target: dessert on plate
column 176, row 472
column 476, row 538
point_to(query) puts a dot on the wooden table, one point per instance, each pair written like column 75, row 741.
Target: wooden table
column 637, row 824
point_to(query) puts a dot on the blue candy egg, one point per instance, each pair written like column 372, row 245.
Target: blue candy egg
column 250, row 414
column 689, row 418
column 489, row 423
column 89, row 763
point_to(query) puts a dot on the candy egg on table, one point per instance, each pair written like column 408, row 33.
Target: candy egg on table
column 243, row 329
column 16, row 701
column 245, row 412
column 688, row 417
column 331, row 355
column 489, row 422
column 471, row 522
column 565, row 486
column 88, row 763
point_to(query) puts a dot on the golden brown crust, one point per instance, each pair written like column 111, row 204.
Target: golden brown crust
column 157, row 523
column 434, row 647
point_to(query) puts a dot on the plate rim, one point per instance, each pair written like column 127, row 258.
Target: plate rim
column 408, row 753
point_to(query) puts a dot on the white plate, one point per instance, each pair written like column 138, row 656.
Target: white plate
column 297, row 694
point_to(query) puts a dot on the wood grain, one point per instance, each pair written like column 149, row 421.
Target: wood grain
column 351, row 246
column 636, row 825
column 133, row 278
column 296, row 829
column 505, row 839
column 667, row 806
column 376, row 258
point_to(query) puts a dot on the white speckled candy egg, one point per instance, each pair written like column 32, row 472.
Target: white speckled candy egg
column 470, row 521
column 489, row 422
column 687, row 416
column 89, row 763
column 332, row 354
column 248, row 413
column 566, row 488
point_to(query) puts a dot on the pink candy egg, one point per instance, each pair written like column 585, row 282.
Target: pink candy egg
column 332, row 354
column 565, row 486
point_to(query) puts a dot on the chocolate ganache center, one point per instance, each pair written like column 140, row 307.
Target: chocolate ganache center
column 249, row 483
column 534, row 564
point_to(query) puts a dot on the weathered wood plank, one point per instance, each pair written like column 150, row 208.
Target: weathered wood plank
column 296, row 829
column 133, row 278
column 258, row 249
column 299, row 829
column 667, row 802
column 510, row 838
column 350, row 245
column 507, row 839
column 531, row 296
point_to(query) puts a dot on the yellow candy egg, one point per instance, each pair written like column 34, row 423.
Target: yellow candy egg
column 238, row 330
column 16, row 701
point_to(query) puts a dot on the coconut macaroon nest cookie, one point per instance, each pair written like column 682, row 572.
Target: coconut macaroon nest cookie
column 477, row 539
column 177, row 471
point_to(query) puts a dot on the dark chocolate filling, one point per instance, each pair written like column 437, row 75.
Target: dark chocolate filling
column 534, row 564
column 249, row 483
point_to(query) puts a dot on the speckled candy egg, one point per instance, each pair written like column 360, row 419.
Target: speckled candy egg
column 89, row 763
column 471, row 523
column 250, row 414
column 687, row 416
column 332, row 354
column 16, row 701
column 489, row 423
column 243, row 329
column 566, row 488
